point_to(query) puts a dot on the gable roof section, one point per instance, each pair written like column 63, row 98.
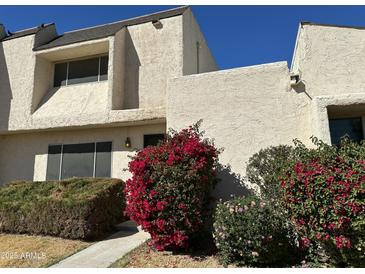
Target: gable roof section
column 106, row 30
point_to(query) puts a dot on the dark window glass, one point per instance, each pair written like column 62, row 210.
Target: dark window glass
column 60, row 75
column 152, row 139
column 103, row 159
column 352, row 127
column 83, row 71
column 53, row 163
column 104, row 68
column 78, row 160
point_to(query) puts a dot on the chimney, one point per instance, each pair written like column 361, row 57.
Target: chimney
column 2, row 32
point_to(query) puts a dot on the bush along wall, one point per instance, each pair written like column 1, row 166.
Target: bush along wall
column 80, row 208
column 248, row 232
column 324, row 193
column 169, row 191
column 314, row 196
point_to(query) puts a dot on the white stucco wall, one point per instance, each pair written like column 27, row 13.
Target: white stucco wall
column 24, row 156
column 243, row 110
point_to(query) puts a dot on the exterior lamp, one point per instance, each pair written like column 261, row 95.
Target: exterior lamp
column 128, row 143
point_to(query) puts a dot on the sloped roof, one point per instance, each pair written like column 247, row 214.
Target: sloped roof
column 106, row 30
column 26, row 32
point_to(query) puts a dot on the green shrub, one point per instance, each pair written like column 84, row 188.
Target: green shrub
column 80, row 208
column 248, row 232
column 324, row 194
column 264, row 169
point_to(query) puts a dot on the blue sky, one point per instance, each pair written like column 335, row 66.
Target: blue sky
column 237, row 35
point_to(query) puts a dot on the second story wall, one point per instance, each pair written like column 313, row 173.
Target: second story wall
column 197, row 55
column 17, row 64
column 153, row 56
column 331, row 59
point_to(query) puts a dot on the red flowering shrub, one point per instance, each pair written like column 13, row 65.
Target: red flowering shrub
column 324, row 193
column 170, row 187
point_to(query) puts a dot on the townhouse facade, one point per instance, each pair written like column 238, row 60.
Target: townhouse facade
column 81, row 103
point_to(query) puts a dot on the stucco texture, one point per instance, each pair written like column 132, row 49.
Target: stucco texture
column 243, row 110
column 24, row 156
column 135, row 95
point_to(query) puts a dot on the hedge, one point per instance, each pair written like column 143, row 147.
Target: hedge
column 78, row 208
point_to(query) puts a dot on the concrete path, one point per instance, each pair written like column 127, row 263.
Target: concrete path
column 104, row 253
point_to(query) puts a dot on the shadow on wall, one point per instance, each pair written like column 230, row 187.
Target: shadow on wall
column 301, row 88
column 131, row 92
column 5, row 92
column 230, row 183
column 47, row 97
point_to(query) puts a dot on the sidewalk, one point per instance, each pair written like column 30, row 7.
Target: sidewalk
column 102, row 254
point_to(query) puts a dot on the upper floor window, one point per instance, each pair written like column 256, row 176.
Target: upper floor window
column 81, row 71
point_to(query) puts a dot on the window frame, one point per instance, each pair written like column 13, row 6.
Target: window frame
column 68, row 61
column 94, row 156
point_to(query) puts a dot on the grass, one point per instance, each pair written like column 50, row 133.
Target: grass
column 145, row 257
column 36, row 251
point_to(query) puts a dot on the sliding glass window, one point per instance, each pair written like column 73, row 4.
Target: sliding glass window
column 79, row 160
column 81, row 71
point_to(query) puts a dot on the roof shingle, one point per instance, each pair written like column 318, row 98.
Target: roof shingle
column 107, row 29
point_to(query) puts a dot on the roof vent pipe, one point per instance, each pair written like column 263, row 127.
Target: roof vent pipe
column 2, row 32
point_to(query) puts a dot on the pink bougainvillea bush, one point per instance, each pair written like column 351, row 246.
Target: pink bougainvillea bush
column 324, row 193
column 170, row 187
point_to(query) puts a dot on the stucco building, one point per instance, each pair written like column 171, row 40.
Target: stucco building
column 78, row 104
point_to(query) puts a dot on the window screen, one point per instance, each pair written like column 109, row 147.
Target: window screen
column 152, row 139
column 352, row 127
column 60, row 75
column 78, row 160
column 103, row 159
column 53, row 164
column 83, row 71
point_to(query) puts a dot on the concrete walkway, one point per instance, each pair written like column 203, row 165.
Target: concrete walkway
column 104, row 253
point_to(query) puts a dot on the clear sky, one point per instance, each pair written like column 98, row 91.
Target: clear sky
column 237, row 35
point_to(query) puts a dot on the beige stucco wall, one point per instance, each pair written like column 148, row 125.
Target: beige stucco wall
column 159, row 54
column 331, row 62
column 24, row 156
column 30, row 103
column 196, row 60
column 331, row 59
column 17, row 73
column 243, row 110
